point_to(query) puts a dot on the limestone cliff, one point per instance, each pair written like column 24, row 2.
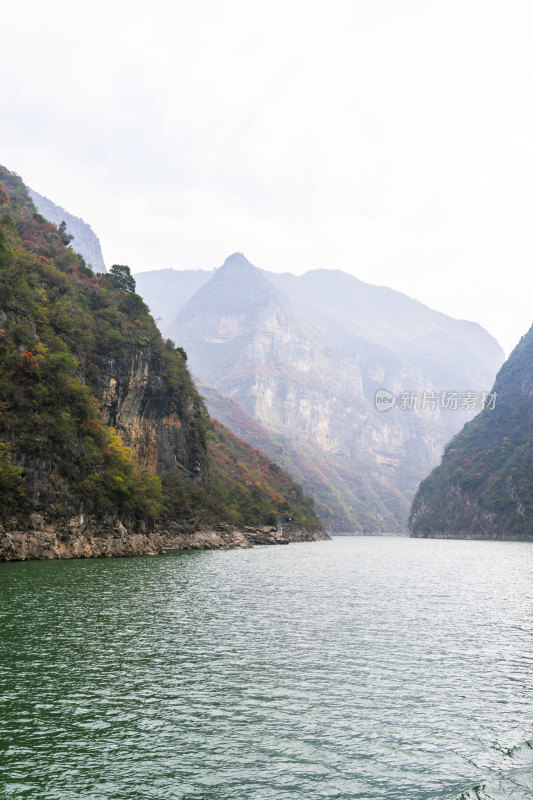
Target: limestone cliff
column 303, row 369
column 85, row 241
column 162, row 428
column 94, row 405
column 103, row 435
column 483, row 488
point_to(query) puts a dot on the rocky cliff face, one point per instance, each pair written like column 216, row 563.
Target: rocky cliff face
column 85, row 241
column 161, row 427
column 35, row 539
column 103, row 436
column 87, row 537
column 483, row 488
column 94, row 405
column 310, row 378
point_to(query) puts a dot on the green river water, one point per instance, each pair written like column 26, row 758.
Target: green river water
column 364, row 667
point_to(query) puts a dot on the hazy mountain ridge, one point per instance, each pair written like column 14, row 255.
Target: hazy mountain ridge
column 345, row 307
column 483, row 488
column 388, row 318
column 308, row 375
column 85, row 241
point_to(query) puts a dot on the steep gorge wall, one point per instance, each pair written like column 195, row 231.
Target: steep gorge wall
column 93, row 403
column 312, row 383
column 483, row 487
column 163, row 429
column 85, row 241
column 103, row 435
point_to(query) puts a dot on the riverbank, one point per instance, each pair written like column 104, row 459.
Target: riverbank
column 35, row 539
column 499, row 536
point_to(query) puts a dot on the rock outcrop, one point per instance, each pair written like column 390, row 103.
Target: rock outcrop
column 85, row 241
column 161, row 426
column 483, row 488
column 33, row 538
column 228, row 537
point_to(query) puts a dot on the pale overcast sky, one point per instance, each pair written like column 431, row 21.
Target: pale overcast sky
column 392, row 139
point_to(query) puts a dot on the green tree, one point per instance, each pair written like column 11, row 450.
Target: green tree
column 66, row 238
column 121, row 277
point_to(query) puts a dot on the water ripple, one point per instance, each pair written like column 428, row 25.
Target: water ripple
column 362, row 668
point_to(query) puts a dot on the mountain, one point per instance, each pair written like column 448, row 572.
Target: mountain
column 288, row 350
column 483, row 488
column 448, row 351
column 106, row 447
column 334, row 485
column 452, row 351
column 84, row 241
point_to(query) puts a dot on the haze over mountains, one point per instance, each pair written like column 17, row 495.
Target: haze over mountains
column 294, row 364
column 483, row 489
column 304, row 356
column 85, row 241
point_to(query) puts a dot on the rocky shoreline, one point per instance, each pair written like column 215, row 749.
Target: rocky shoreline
column 35, row 539
column 228, row 537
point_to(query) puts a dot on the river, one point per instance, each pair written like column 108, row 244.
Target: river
column 364, row 667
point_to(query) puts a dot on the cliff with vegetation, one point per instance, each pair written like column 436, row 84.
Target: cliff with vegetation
column 483, row 488
column 84, row 239
column 105, row 444
column 304, row 356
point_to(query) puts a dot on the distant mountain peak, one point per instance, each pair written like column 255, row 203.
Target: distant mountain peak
column 238, row 277
column 305, row 356
column 237, row 261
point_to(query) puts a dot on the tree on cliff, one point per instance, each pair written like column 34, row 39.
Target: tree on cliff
column 121, row 277
column 66, row 238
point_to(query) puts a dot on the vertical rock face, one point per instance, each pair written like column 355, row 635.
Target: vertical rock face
column 93, row 402
column 85, row 241
column 304, row 370
column 161, row 427
column 103, row 435
column 483, row 488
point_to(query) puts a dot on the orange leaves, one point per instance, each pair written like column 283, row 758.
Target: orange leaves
column 27, row 370
column 93, row 426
